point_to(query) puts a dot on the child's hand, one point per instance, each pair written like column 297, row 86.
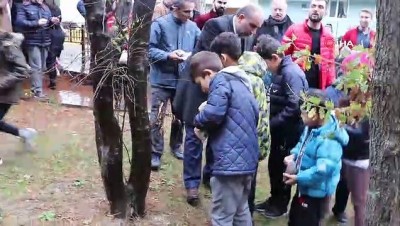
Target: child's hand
column 200, row 134
column 288, row 159
column 290, row 179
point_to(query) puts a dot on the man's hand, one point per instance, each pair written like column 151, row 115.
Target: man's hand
column 42, row 22
column 176, row 55
column 288, row 159
column 290, row 179
column 55, row 20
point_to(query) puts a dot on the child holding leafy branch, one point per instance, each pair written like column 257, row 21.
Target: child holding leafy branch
column 317, row 162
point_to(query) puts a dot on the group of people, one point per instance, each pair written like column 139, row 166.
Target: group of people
column 232, row 87
column 31, row 41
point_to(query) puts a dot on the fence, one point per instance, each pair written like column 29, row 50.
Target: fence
column 78, row 35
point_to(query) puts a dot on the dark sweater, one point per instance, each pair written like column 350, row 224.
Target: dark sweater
column 358, row 146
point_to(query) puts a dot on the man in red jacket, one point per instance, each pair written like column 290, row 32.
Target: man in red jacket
column 312, row 35
column 218, row 10
column 362, row 34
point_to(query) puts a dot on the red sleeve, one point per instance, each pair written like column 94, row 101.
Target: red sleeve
column 200, row 21
column 287, row 39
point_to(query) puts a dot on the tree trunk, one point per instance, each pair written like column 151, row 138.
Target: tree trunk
column 383, row 206
column 137, row 105
column 107, row 130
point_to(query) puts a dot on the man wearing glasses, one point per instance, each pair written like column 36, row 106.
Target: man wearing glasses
column 218, row 10
column 189, row 95
column 172, row 39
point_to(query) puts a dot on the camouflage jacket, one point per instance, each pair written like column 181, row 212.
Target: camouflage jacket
column 256, row 68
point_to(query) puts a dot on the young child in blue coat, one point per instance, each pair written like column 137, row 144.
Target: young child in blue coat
column 315, row 165
column 230, row 119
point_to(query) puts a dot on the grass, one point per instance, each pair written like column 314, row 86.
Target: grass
column 60, row 182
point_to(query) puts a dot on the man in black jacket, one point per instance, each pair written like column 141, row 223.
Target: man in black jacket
column 277, row 23
column 189, row 95
column 288, row 81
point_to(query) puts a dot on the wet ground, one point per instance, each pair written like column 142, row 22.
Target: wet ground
column 70, row 92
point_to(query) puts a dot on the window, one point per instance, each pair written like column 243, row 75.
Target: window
column 338, row 8
column 304, row 5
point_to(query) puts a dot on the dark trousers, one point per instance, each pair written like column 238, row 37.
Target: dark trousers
column 306, row 210
column 282, row 141
column 192, row 159
column 5, row 127
column 252, row 195
column 159, row 101
column 51, row 63
column 342, row 194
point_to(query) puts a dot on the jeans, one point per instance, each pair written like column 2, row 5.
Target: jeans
column 37, row 57
column 5, row 127
column 230, row 200
column 192, row 159
column 159, row 101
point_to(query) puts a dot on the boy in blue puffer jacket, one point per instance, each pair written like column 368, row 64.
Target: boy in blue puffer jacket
column 230, row 118
column 314, row 164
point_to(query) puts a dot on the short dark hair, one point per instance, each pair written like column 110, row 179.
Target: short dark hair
column 266, row 46
column 204, row 60
column 179, row 3
column 227, row 43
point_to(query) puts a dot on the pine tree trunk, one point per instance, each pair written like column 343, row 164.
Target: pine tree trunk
column 383, row 206
column 107, row 130
column 138, row 66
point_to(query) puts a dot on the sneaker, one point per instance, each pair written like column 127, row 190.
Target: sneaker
column 178, row 154
column 273, row 212
column 27, row 135
column 340, row 217
column 192, row 197
column 41, row 97
column 155, row 162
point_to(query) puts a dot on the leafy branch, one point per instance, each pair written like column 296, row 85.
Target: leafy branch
column 355, row 84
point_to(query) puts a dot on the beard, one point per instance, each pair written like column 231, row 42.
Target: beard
column 220, row 11
column 315, row 19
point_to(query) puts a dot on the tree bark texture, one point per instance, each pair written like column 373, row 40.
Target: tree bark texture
column 383, row 206
column 138, row 68
column 107, row 130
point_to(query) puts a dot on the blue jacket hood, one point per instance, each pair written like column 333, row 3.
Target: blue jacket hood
column 332, row 130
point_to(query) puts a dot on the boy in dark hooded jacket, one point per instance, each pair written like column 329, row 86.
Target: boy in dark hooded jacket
column 13, row 70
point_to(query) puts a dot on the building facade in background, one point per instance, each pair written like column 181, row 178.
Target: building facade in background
column 342, row 14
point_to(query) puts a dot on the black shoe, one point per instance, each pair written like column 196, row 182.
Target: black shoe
column 261, row 207
column 155, row 162
column 274, row 212
column 52, row 85
column 178, row 154
column 340, row 217
column 192, row 197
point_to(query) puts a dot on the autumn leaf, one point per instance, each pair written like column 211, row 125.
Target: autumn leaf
column 317, row 59
column 283, row 48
